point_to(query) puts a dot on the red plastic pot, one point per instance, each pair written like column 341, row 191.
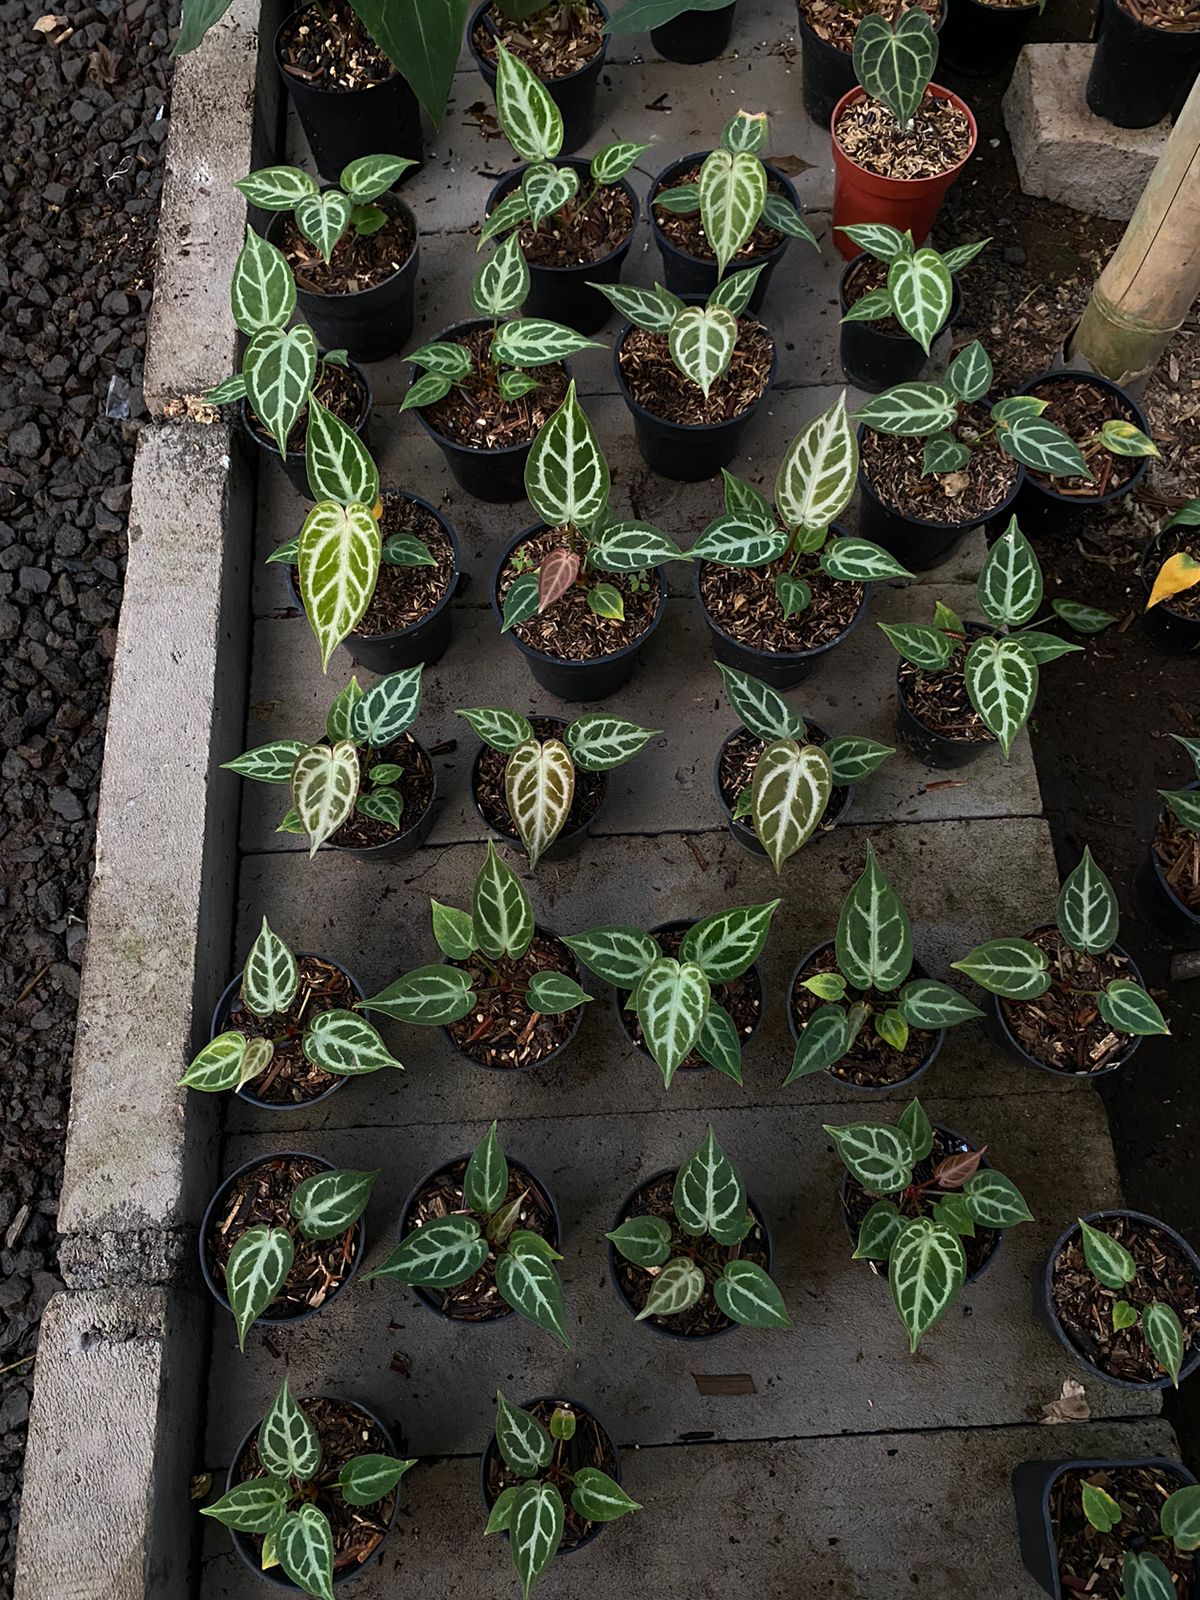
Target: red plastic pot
column 903, row 203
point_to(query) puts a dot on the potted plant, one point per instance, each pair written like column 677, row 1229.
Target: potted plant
column 581, row 634
column 1121, row 1292
column 284, row 1034
column 780, row 586
column 923, row 1200
column 352, row 249
column 895, row 301
column 541, row 784
column 899, row 141
column 681, row 30
column 679, row 982
column 963, row 686
column 488, row 385
column 368, row 787
column 1111, row 437
column 312, row 1491
column 1171, row 580
column 1166, row 885
column 690, row 1254
column 860, row 1007
column 688, row 430
column 281, row 372
column 1144, row 64
column 479, row 1241
column 283, row 1235
column 724, row 207
column 983, row 38
column 1087, row 1527
column 1068, row 998
column 506, row 996
column 826, row 29
column 779, row 778
column 563, row 44
column 575, row 219
column 551, row 1480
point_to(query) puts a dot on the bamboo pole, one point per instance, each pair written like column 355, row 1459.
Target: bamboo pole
column 1144, row 293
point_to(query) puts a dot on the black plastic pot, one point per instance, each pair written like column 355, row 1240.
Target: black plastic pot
column 827, row 73
column 373, row 324
column 574, row 95
column 742, row 831
column 497, row 476
column 1032, row 1482
column 654, row 1327
column 1160, row 906
column 403, row 843
column 220, row 1021
column 491, row 1450
column 249, row 1551
column 687, row 275
column 1002, row 1036
column 935, row 749
column 982, row 41
column 564, row 294
column 674, row 925
column 874, row 360
column 1044, row 1297
column 1139, row 74
column 570, row 841
column 782, row 669
column 918, row 971
column 1169, row 631
column 686, row 452
column 293, row 463
column 576, row 680
column 574, row 971
column 1040, row 509
column 695, row 36
column 213, row 1209
column 423, row 1295
column 343, row 124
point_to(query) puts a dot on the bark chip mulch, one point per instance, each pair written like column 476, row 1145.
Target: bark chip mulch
column 570, row 630
column 555, row 42
column 939, row 138
column 895, row 468
column 1064, row 1028
column 291, row 1079
column 1089, row 1562
column 502, row 1030
column 359, row 262
column 327, row 47
column 657, row 384
column 742, row 602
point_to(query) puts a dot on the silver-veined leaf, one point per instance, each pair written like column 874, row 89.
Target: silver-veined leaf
column 539, row 786
column 851, row 560
column 632, row 546
column 531, row 121
column 852, row 759
column 925, row 1003
column 823, row 1042
column 678, row 1286
column 430, row 996
column 438, row 1255
column 289, row 1446
column 389, row 708
column 276, row 188
column 728, row 943
column 600, row 742
column 304, row 1546
column 1014, row 968
column 524, row 1444
column 926, row 1269
column 548, row 189
column 444, row 356
column 1107, row 1259
column 1088, row 915
column 218, row 1066
column 741, row 539
column 338, row 464
column 735, row 292
column 895, row 63
column 612, row 161
column 367, row 177
column 270, row 977
column 505, row 214
column 344, row 1043
column 652, row 309
column 792, row 787
column 733, row 187
column 329, row 1203
column 552, row 993
column 263, row 291
column 746, row 1294
column 969, row 375
column 1127, row 1007
column 528, row 1282
column 878, row 1232
column 338, row 564
column 498, row 728
column 817, row 475
column 599, row 1498
column 534, row 342
column 745, row 131
column 1039, row 444
column 944, row 453
column 874, row 939
column 566, row 475
column 878, row 239
column 535, row 1531
column 1164, row 1335
column 1084, row 619
column 365, row 1479
column 280, row 366
column 719, row 1042
column 324, row 788
column 501, row 912
column 877, row 1155
column 621, row 956
column 921, row 291
column 1010, row 581
column 502, row 282
column 709, row 1196
column 255, row 1272
column 646, row 1241
column 917, row 1129
column 672, row 1001
column 994, row 1201
column 1146, row 1577
column 701, row 342
column 758, row 706
column 255, row 1506
column 1002, row 684
column 323, row 218
column 929, row 649
column 910, row 410
column 485, row 1181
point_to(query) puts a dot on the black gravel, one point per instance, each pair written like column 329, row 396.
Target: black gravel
column 83, row 111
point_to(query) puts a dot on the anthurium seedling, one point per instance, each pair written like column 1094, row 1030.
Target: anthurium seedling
column 539, row 774
column 1145, row 1575
column 532, row 1510
column 871, row 983
column 793, row 779
column 1111, row 1264
column 326, row 216
column 1001, row 665
column 672, row 998
column 347, row 772
column 284, row 1505
column 813, row 487
column 337, row 1040
column 916, row 1225
column 567, row 481
column 1185, row 803
column 919, row 291
column 1088, row 921
column 709, row 1204
column 732, row 194
column 894, row 60
column 445, row 1252
column 1181, row 571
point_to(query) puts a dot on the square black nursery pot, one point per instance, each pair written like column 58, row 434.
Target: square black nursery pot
column 695, row 36
column 1139, row 74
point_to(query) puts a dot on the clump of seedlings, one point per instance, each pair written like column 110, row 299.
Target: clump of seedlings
column 899, row 286
column 282, row 1236
column 1137, row 1515
column 552, row 1480
column 314, row 1491
column 482, row 1241
column 921, row 1200
column 1069, row 998
column 367, row 781
column 693, row 1253
column 900, row 127
column 295, row 1031
column 528, row 779
column 855, row 1008
column 785, row 776
column 505, row 994
column 1177, row 577
column 967, row 681
column 677, row 998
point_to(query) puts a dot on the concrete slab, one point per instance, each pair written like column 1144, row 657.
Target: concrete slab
column 852, row 1519
column 1063, row 152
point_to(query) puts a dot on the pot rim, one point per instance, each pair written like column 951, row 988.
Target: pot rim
column 1146, row 27
column 320, row 88
column 593, row 65
column 740, row 823
column 268, row 444
column 695, row 430
column 479, row 452
column 806, row 27
column 865, row 484
column 768, row 257
column 543, row 1061
column 504, row 186
column 594, row 1528
column 1078, row 501
column 514, row 839
column 939, row 92
column 1150, row 554
column 385, row 201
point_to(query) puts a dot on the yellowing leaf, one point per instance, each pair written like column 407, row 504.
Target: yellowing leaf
column 1177, row 573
